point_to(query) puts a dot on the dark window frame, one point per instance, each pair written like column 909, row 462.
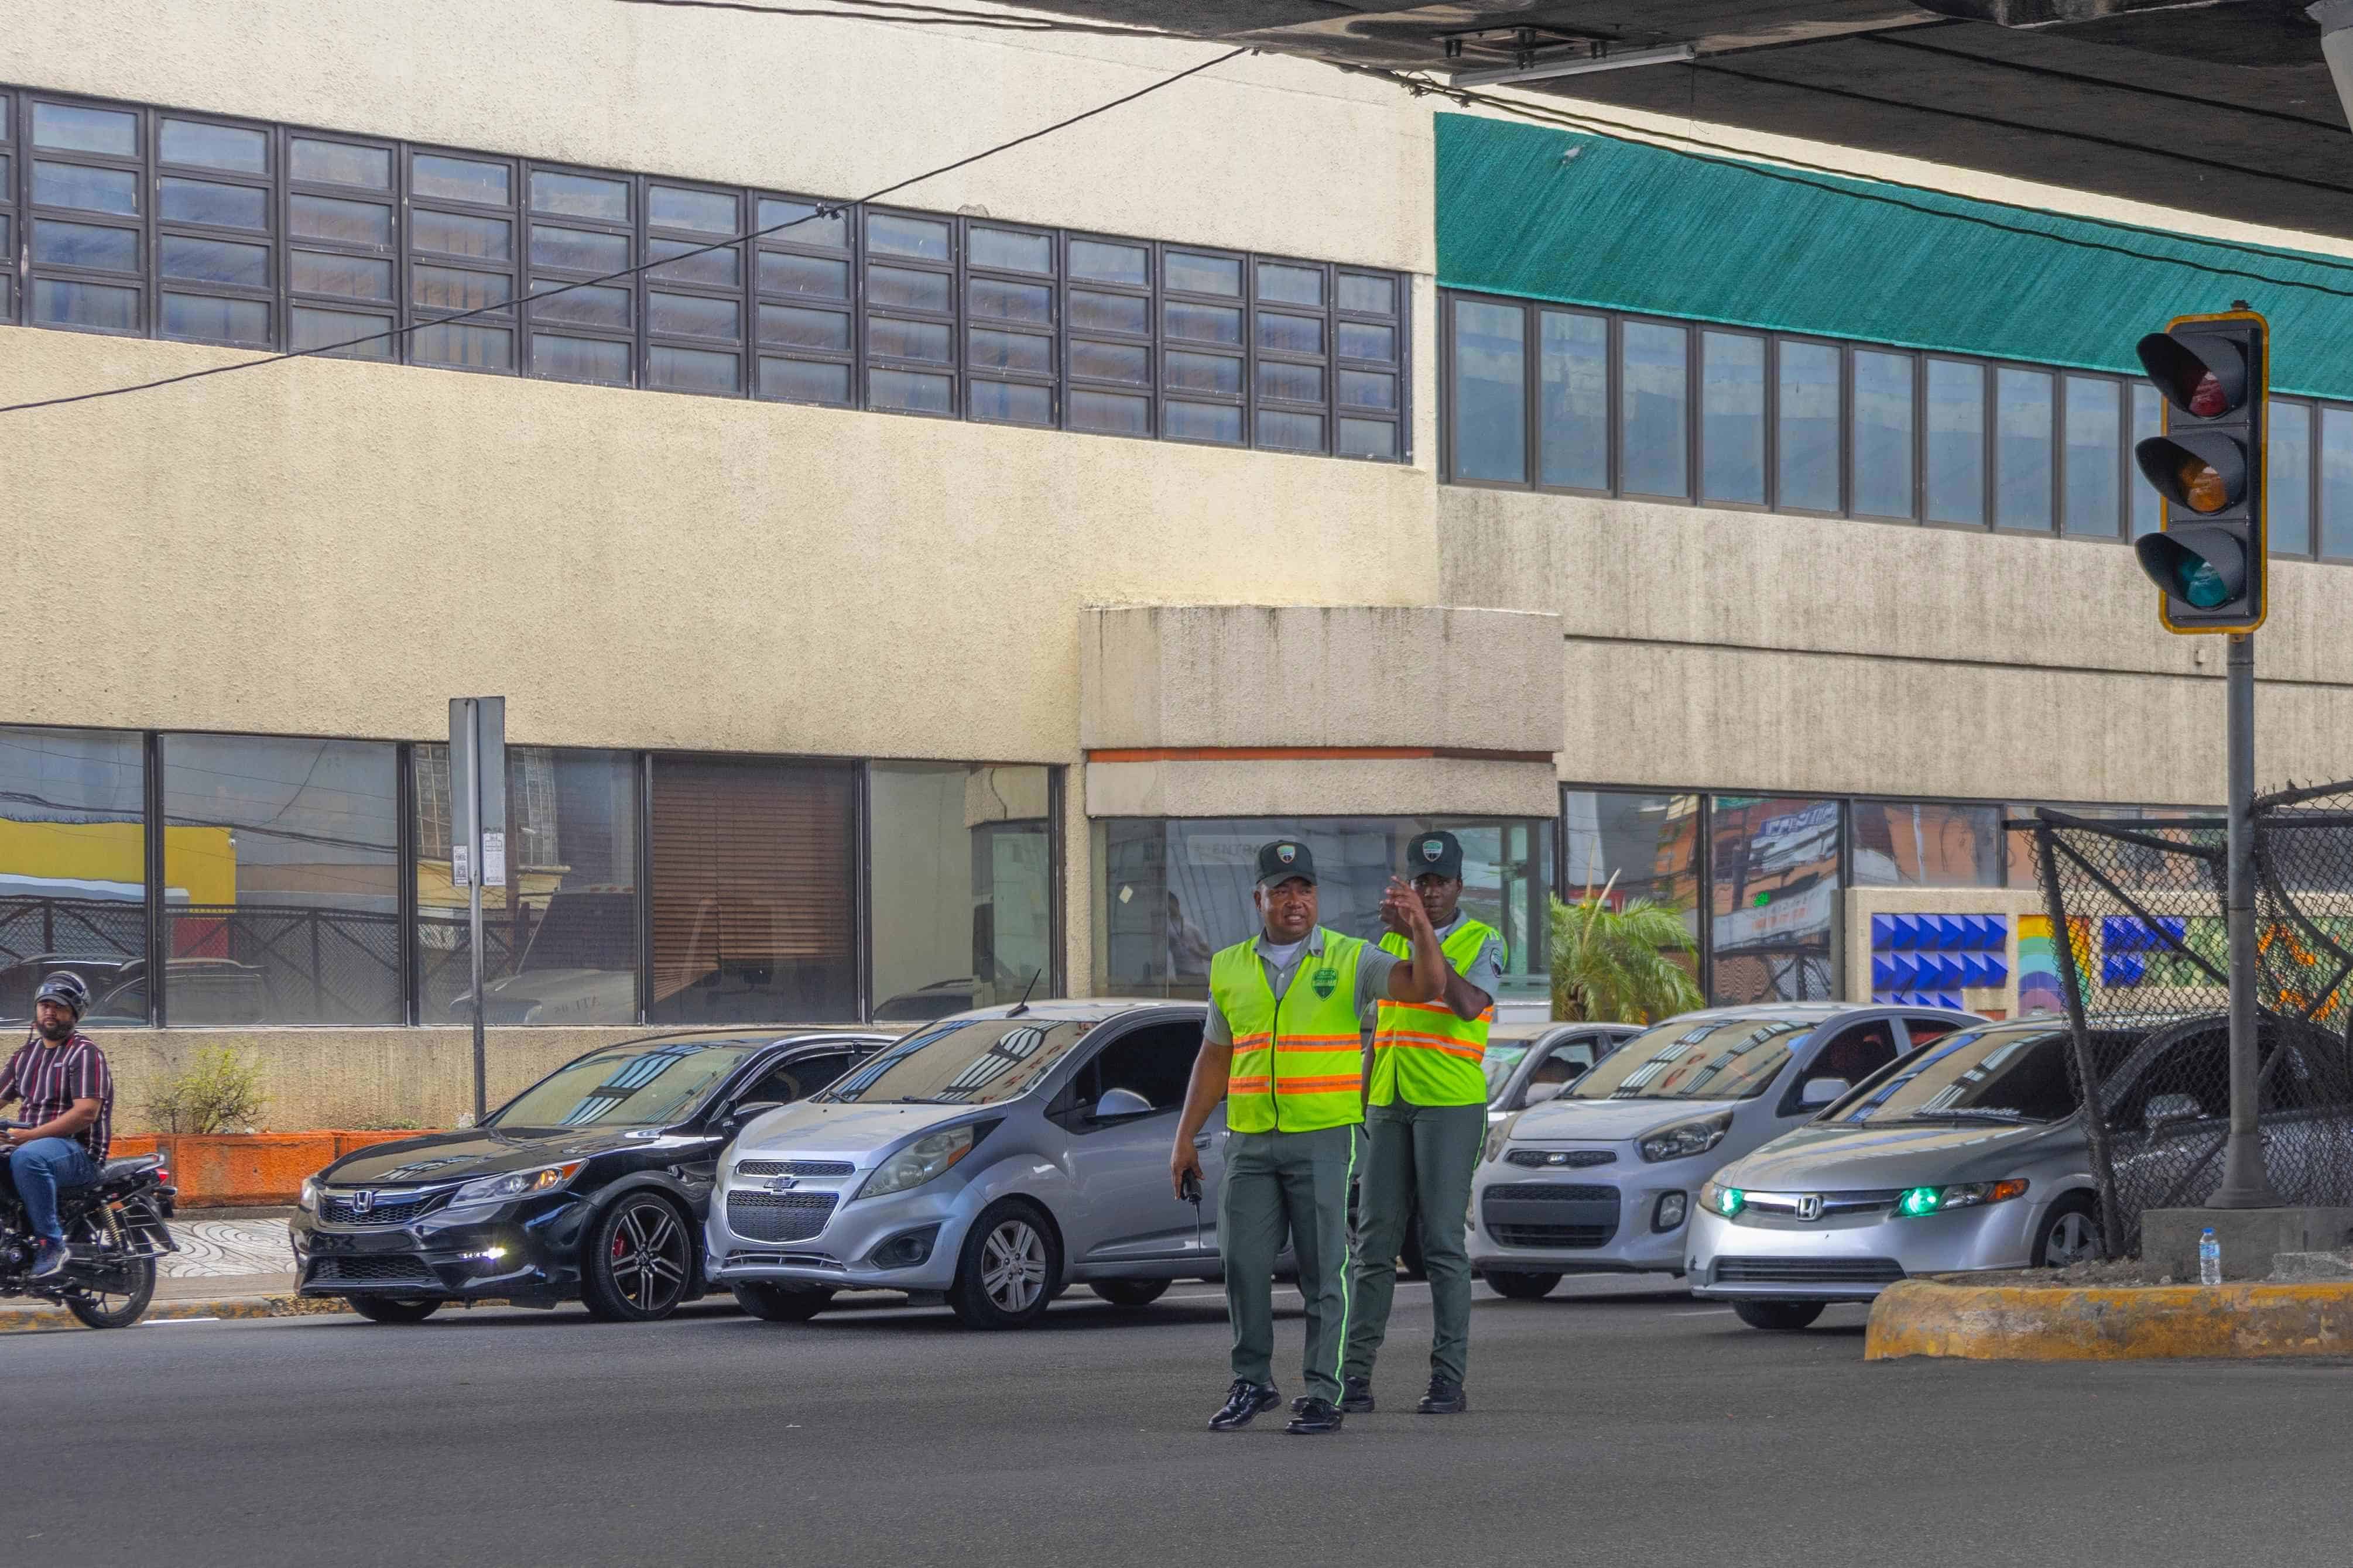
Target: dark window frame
column 545, row 318
column 31, row 214
column 741, row 294
column 400, row 316
column 270, row 237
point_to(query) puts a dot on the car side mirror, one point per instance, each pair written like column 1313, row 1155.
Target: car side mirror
column 1121, row 1105
column 2166, row 1108
column 742, row 1115
column 1816, row 1092
column 1540, row 1092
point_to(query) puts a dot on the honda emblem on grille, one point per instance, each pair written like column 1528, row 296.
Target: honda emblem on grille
column 363, row 1201
column 1810, row 1206
column 782, row 1183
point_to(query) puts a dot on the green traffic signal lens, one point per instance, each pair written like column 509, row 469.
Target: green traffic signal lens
column 2196, row 581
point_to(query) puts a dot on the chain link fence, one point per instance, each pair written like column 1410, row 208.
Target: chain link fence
column 2138, row 927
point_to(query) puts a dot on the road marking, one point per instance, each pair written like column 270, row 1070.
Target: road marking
column 174, row 1322
column 1704, row 1313
column 1287, row 1291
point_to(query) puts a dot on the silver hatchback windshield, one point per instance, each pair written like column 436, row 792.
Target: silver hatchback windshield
column 1701, row 1059
column 966, row 1061
column 2013, row 1074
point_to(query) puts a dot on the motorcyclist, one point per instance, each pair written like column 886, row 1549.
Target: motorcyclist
column 68, row 1098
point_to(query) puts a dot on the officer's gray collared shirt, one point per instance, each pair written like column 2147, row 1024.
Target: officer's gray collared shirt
column 1372, row 982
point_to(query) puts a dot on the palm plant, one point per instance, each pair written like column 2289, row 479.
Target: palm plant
column 1620, row 966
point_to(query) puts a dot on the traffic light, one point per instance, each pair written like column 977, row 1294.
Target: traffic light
column 2213, row 372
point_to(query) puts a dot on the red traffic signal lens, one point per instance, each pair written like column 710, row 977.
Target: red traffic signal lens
column 2202, row 374
column 2207, row 398
column 2202, row 489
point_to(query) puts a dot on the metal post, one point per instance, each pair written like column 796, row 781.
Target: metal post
column 2079, row 1038
column 2245, row 1183
column 473, row 787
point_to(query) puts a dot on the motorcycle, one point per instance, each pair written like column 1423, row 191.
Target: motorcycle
column 114, row 1233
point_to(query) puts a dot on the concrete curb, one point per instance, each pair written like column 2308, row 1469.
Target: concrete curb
column 2013, row 1322
column 32, row 1320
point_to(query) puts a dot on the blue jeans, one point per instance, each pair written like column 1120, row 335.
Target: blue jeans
column 38, row 1169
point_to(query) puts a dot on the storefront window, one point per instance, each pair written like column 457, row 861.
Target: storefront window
column 754, row 892
column 1175, row 892
column 73, row 868
column 1621, row 847
column 961, row 883
column 1773, row 861
column 281, row 862
column 1926, row 844
column 560, row 939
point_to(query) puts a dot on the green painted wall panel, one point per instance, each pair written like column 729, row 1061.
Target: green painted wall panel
column 1631, row 226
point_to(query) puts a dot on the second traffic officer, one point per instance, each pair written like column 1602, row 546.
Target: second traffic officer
column 1281, row 1045
column 1425, row 1123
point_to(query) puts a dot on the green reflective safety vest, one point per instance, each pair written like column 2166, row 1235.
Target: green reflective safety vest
column 1420, row 1050
column 1298, row 1063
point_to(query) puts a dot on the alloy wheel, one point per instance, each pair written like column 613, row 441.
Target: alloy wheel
column 649, row 1256
column 1013, row 1264
column 2074, row 1238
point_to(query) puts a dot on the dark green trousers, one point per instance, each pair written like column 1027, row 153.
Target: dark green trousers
column 1419, row 1161
column 1294, row 1184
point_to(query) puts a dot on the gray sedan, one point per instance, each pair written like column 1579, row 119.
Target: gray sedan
column 1971, row 1154
column 991, row 1158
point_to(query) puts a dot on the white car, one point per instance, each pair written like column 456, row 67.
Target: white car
column 1604, row 1177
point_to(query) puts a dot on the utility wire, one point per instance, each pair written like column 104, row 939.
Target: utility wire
column 924, row 17
column 1744, row 161
column 827, row 209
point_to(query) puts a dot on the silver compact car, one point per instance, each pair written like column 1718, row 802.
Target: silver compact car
column 1974, row 1154
column 1603, row 1177
column 1527, row 1064
column 991, row 1158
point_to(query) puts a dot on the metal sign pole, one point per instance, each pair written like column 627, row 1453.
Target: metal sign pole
column 474, row 788
column 2245, row 1183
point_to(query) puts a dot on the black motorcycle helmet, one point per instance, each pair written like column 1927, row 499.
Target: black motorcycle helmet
column 66, row 990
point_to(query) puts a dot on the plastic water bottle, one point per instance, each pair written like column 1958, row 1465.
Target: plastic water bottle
column 2210, row 1257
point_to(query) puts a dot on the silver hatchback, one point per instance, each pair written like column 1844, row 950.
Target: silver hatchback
column 991, row 1158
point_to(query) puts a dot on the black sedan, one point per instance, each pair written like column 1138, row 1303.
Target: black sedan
column 590, row 1184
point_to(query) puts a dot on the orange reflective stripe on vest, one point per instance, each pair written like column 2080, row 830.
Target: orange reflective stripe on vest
column 1298, row 1063
column 1420, row 1050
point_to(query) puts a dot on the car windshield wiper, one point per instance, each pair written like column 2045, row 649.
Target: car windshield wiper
column 1967, row 1114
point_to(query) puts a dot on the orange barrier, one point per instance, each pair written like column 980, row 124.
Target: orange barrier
column 246, row 1169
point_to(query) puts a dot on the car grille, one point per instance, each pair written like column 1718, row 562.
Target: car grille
column 793, row 1168
column 370, row 1271
column 779, row 1216
column 1574, row 1159
column 1550, row 1214
column 337, row 1209
column 1832, row 1203
column 1807, row 1272
column 784, row 1260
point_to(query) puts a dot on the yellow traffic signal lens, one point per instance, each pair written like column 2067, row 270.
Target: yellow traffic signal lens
column 2201, row 487
column 2206, row 400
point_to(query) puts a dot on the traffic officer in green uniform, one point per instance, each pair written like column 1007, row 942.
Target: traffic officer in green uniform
column 1284, row 1047
column 1425, row 1123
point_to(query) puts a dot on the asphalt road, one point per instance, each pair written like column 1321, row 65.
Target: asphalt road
column 1611, row 1423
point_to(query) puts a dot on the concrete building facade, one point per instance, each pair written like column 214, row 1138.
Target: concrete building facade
column 941, row 595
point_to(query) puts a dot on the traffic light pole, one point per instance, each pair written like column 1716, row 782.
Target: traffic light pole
column 2245, row 1182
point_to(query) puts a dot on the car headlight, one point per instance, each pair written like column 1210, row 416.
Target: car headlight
column 516, row 1185
column 1498, row 1134
column 308, row 1202
column 1685, row 1139
column 924, row 1160
column 1717, row 1198
column 1919, row 1201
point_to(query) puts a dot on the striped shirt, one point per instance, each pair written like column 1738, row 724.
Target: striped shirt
column 49, row 1079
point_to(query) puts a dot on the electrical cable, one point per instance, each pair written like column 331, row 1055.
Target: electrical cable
column 924, row 17
column 1745, row 161
column 827, row 209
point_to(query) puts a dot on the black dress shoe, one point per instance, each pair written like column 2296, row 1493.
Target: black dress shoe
column 1355, row 1397
column 1245, row 1401
column 1315, row 1417
column 1445, row 1398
